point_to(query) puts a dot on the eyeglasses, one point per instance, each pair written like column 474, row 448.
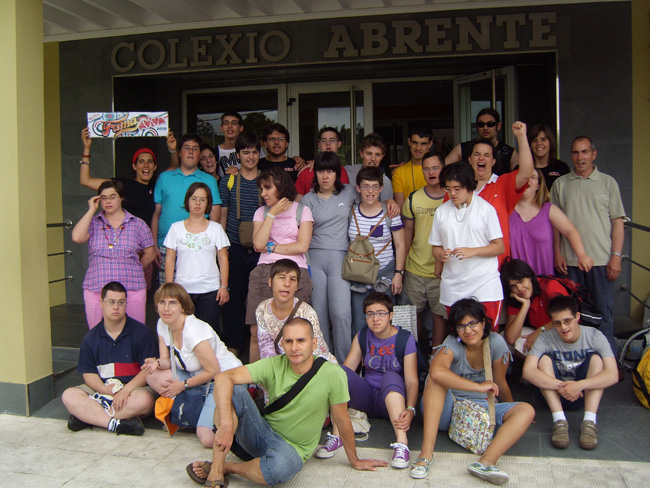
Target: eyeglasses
column 328, row 141
column 370, row 187
column 191, row 148
column 560, row 323
column 168, row 303
column 431, row 169
column 230, row 122
column 490, row 124
column 198, row 199
column 112, row 303
column 372, row 315
column 110, row 198
column 276, row 139
column 471, row 325
column 453, row 189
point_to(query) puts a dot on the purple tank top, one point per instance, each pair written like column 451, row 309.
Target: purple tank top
column 532, row 241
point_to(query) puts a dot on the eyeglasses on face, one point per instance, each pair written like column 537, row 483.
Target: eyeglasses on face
column 328, row 141
column 372, row 315
column 198, row 199
column 560, row 323
column 472, row 325
column 168, row 303
column 489, row 124
column 110, row 198
column 370, row 187
column 112, row 303
column 276, row 139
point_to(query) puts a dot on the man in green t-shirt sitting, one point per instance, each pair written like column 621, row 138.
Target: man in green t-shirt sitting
column 283, row 440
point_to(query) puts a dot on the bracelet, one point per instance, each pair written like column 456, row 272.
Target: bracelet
column 269, row 247
column 84, row 162
column 225, row 288
column 158, row 363
column 187, row 387
column 412, row 409
column 171, row 152
column 617, row 254
column 270, row 215
column 542, row 328
column 85, row 156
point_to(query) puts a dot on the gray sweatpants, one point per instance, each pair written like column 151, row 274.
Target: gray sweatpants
column 331, row 300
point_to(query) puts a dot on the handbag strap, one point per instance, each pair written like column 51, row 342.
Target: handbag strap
column 297, row 387
column 172, row 361
column 278, row 338
column 487, row 365
column 356, row 222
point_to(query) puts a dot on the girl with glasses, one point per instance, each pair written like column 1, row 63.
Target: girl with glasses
column 457, row 371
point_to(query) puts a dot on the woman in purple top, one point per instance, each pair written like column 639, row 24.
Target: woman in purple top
column 531, row 229
column 120, row 245
column 389, row 388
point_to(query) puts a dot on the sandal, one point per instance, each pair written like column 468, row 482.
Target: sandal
column 213, row 484
column 206, row 466
column 419, row 472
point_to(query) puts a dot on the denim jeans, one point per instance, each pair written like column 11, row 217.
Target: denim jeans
column 279, row 461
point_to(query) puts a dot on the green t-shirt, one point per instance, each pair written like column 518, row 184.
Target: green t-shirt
column 300, row 422
column 420, row 259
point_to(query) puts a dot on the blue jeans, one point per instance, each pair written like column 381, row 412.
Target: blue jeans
column 602, row 294
column 279, row 461
column 206, row 418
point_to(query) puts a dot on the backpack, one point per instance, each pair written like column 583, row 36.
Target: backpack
column 361, row 263
column 641, row 379
column 589, row 313
column 400, row 347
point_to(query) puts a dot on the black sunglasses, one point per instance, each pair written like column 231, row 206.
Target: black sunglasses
column 490, row 124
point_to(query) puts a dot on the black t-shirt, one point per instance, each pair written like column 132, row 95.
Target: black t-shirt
column 502, row 155
column 138, row 198
column 553, row 171
column 289, row 166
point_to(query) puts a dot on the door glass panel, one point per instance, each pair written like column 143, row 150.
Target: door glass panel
column 259, row 108
column 318, row 110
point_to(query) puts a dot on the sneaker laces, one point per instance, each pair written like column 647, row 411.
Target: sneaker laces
column 106, row 402
column 401, row 450
column 332, row 441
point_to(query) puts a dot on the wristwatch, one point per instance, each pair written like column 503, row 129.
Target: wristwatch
column 400, row 271
column 187, row 387
column 269, row 247
column 411, row 408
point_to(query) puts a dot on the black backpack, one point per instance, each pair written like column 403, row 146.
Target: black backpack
column 589, row 313
column 400, row 347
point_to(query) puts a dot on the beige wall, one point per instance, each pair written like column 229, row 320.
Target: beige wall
column 52, row 136
column 25, row 349
column 641, row 156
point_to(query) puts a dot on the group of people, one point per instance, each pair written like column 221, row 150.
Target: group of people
column 251, row 251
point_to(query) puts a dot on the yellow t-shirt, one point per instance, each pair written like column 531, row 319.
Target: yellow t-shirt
column 420, row 259
column 407, row 179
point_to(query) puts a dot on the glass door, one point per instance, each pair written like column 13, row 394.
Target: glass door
column 345, row 106
column 495, row 88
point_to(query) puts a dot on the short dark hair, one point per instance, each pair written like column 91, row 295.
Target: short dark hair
column 112, row 183
column 591, row 142
column 370, row 174
column 281, row 180
column 114, row 286
column 190, row 191
column 299, row 321
column 208, row 147
column 174, row 290
column 329, row 129
column 461, row 172
column 435, row 154
column 190, row 137
column 560, row 303
column 275, row 128
column 483, row 142
column 421, row 131
column 469, row 307
column 491, row 112
column 516, row 269
column 327, row 161
column 232, row 113
column 247, row 140
column 378, row 298
column 284, row 266
column 373, row 140
column 549, row 133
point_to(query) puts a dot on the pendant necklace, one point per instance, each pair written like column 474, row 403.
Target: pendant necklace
column 117, row 235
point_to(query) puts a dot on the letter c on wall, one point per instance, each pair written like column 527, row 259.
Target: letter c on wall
column 116, row 66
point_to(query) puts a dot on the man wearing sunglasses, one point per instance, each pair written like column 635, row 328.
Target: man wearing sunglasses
column 488, row 125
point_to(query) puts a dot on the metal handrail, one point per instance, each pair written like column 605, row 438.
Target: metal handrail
column 67, row 278
column 66, row 223
column 67, row 252
column 627, row 289
column 629, row 223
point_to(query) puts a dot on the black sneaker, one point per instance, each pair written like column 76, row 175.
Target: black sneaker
column 130, row 427
column 75, row 425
